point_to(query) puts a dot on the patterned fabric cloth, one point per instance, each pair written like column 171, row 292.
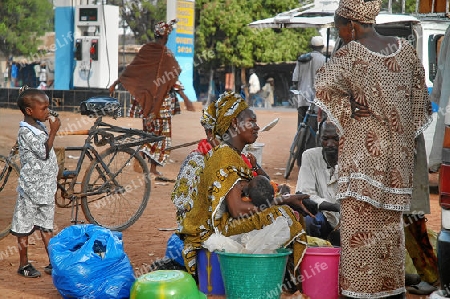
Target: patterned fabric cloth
column 163, row 28
column 208, row 118
column 418, row 245
column 376, row 156
column 160, row 126
column 372, row 251
column 364, row 11
column 185, row 190
column 37, row 181
column 228, row 106
column 224, row 168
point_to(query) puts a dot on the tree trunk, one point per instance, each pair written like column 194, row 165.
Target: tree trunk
column 432, row 6
column 244, row 83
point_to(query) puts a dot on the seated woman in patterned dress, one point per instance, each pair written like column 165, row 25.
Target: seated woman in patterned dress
column 218, row 206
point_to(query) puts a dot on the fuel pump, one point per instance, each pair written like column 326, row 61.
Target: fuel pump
column 96, row 45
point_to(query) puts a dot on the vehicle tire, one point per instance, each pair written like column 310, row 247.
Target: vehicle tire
column 9, row 177
column 295, row 151
column 116, row 200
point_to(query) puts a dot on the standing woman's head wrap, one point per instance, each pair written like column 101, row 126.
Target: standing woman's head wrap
column 163, row 28
column 363, row 11
column 228, row 106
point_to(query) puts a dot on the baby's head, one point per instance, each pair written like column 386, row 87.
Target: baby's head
column 261, row 191
column 29, row 98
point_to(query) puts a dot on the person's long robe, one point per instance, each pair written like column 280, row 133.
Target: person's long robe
column 150, row 75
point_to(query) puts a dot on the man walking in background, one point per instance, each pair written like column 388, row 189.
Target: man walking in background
column 304, row 74
column 254, row 86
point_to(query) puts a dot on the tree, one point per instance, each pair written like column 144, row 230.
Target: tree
column 142, row 16
column 222, row 28
column 22, row 22
column 410, row 6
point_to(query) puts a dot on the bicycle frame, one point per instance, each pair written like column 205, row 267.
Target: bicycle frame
column 87, row 150
column 301, row 139
column 5, row 172
column 309, row 113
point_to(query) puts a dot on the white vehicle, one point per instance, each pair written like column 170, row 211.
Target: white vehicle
column 440, row 43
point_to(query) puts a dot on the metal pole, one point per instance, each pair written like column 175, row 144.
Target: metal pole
column 123, row 37
column 390, row 6
column 403, row 6
column 417, row 6
column 432, row 6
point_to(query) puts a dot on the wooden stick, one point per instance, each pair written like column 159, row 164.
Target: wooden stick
column 78, row 132
column 182, row 145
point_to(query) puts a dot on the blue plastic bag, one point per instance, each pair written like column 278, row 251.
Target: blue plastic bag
column 89, row 262
column 174, row 249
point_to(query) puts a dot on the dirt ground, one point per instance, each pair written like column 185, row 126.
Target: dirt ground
column 145, row 241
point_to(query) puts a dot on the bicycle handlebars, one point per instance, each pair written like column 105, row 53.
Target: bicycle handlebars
column 104, row 130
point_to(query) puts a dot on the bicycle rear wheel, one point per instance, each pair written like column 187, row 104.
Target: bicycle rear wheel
column 295, row 151
column 122, row 193
column 9, row 177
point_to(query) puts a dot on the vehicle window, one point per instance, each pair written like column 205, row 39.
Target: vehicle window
column 434, row 45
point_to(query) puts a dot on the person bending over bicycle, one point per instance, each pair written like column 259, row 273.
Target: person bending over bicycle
column 318, row 177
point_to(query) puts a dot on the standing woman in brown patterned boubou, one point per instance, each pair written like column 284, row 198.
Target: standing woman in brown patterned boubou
column 376, row 152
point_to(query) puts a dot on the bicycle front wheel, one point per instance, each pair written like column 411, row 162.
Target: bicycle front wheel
column 295, row 151
column 9, row 178
column 116, row 196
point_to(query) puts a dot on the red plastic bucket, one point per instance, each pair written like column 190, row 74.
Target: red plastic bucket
column 320, row 272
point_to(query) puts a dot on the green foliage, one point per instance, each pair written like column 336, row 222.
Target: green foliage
column 221, row 27
column 410, row 6
column 21, row 23
column 142, row 16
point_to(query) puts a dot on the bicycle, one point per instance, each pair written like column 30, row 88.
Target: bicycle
column 115, row 188
column 9, row 176
column 304, row 138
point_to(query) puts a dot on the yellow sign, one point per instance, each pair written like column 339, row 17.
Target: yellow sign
column 185, row 16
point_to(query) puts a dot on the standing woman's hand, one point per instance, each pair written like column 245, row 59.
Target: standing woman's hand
column 112, row 88
column 359, row 110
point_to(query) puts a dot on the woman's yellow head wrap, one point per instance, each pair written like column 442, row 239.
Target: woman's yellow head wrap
column 363, row 11
column 228, row 106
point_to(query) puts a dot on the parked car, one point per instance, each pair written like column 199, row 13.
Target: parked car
column 443, row 245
